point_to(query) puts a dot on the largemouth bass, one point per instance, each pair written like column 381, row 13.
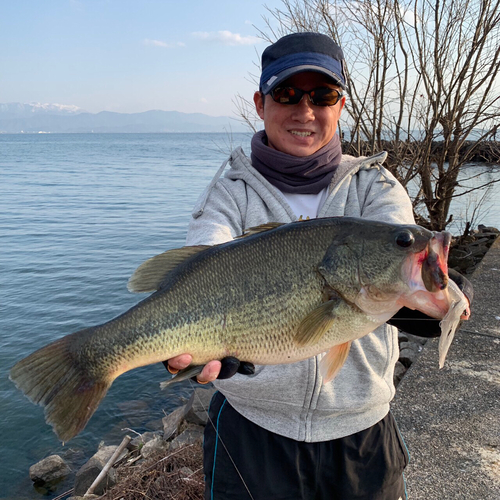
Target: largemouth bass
column 280, row 294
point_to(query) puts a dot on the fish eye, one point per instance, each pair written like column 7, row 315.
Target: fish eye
column 405, row 239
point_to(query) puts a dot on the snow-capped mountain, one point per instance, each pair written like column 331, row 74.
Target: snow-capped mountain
column 27, row 109
column 61, row 118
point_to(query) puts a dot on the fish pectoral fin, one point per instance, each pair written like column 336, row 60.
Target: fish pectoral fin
column 260, row 229
column 333, row 361
column 184, row 374
column 316, row 323
column 149, row 276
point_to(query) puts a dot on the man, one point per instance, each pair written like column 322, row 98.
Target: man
column 280, row 433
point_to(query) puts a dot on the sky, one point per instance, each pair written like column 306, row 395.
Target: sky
column 130, row 56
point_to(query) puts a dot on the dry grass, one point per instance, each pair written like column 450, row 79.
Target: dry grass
column 162, row 477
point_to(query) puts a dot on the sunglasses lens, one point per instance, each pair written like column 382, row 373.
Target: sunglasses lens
column 321, row 96
column 324, row 96
column 287, row 95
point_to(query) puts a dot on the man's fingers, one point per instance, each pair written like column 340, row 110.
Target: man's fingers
column 179, row 363
column 210, row 372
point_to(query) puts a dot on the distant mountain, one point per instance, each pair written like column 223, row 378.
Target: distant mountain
column 58, row 118
column 16, row 109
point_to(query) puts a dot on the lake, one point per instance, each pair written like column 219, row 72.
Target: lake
column 78, row 214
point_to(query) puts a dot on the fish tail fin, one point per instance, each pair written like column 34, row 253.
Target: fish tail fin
column 52, row 378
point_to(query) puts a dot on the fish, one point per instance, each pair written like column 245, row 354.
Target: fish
column 278, row 294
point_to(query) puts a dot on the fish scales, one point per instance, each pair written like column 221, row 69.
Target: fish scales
column 242, row 313
column 237, row 310
column 229, row 302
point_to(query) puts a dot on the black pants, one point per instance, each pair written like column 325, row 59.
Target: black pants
column 262, row 465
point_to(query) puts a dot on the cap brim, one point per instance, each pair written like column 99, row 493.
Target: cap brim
column 287, row 73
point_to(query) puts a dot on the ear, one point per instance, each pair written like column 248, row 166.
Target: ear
column 342, row 103
column 258, row 99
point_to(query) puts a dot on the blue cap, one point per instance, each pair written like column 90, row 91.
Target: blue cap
column 301, row 52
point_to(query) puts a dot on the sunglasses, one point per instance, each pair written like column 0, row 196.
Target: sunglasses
column 320, row 96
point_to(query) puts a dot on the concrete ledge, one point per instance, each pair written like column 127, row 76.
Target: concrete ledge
column 450, row 418
column 485, row 316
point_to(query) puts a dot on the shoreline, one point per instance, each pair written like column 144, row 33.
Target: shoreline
column 487, row 153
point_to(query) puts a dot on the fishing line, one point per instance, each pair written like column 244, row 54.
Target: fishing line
column 416, row 319
column 221, row 441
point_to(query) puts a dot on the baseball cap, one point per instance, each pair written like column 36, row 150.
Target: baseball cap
column 300, row 52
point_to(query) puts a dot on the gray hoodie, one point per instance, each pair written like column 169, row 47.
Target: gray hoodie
column 291, row 400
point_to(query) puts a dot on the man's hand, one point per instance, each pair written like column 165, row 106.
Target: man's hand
column 209, row 373
column 223, row 369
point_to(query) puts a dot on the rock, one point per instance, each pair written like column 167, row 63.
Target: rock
column 89, row 471
column 172, row 422
column 86, row 497
column 198, row 406
column 461, row 260
column 49, row 470
column 479, row 250
column 467, row 251
column 410, row 345
column 186, row 471
column 402, row 337
column 141, row 440
column 488, row 229
column 153, row 446
column 193, row 434
column 399, row 371
column 407, row 356
column 416, row 339
column 408, row 352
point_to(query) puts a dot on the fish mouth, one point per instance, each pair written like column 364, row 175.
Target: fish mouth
column 435, row 264
column 427, row 273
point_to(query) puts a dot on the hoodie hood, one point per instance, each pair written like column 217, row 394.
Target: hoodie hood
column 241, row 169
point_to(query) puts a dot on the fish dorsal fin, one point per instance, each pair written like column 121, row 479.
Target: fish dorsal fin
column 333, row 361
column 260, row 229
column 316, row 323
column 149, row 276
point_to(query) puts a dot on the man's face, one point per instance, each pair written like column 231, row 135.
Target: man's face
column 299, row 129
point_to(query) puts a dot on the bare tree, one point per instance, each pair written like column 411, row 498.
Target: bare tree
column 423, row 82
column 458, row 61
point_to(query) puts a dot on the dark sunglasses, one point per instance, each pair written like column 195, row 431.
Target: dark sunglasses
column 320, row 96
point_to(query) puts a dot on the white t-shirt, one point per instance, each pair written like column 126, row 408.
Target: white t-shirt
column 306, row 205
